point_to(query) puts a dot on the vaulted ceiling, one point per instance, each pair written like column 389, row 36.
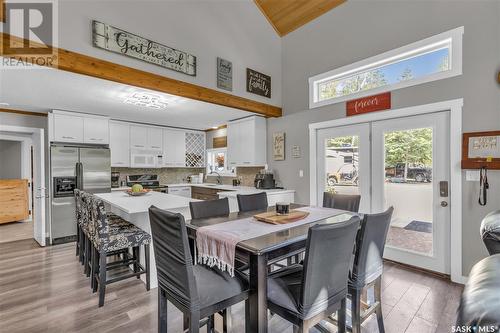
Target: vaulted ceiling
column 287, row 15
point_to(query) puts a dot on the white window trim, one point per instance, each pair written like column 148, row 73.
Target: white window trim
column 227, row 173
column 455, row 35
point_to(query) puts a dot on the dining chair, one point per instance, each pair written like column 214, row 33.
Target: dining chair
column 249, row 202
column 341, row 201
column 198, row 291
column 209, row 208
column 368, row 267
column 115, row 238
column 307, row 294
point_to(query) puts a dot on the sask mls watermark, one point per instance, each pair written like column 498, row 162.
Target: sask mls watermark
column 30, row 34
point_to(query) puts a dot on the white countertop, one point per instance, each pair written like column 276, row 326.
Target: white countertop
column 132, row 205
column 229, row 190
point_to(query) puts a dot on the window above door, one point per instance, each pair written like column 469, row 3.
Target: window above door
column 434, row 58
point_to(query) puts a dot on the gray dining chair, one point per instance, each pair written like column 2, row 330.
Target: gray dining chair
column 198, row 291
column 209, row 208
column 307, row 294
column 342, row 201
column 250, row 202
column 368, row 267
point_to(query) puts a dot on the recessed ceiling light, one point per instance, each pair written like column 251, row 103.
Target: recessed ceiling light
column 4, row 103
column 146, row 99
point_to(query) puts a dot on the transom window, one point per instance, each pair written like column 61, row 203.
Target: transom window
column 431, row 59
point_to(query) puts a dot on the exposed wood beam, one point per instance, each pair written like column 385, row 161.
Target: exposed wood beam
column 2, row 11
column 82, row 64
column 25, row 113
column 215, row 129
column 287, row 16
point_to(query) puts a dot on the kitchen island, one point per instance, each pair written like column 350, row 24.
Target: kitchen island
column 135, row 210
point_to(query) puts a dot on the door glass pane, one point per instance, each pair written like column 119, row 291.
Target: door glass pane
column 342, row 164
column 408, row 187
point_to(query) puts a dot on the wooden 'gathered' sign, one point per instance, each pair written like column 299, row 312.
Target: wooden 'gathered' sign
column 258, row 83
column 116, row 40
column 368, row 104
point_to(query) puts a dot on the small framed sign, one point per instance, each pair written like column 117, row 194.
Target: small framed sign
column 481, row 149
column 368, row 104
column 279, row 146
column 224, row 74
column 258, row 83
column 296, row 151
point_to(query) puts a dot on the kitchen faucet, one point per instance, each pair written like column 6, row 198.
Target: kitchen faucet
column 219, row 178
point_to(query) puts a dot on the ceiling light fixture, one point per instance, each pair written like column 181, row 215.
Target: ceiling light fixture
column 146, row 99
column 4, row 103
column 215, row 127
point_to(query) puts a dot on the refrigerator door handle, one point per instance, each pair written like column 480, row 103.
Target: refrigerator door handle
column 79, row 175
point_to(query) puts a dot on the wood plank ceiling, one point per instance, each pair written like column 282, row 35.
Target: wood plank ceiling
column 287, row 15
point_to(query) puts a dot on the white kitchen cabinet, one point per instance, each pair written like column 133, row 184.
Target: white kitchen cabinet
column 119, row 138
column 174, row 148
column 67, row 128
column 146, row 137
column 246, row 142
column 184, row 191
column 138, row 137
column 155, row 138
column 95, row 130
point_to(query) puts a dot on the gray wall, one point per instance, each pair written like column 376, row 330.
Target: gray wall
column 359, row 29
column 10, row 159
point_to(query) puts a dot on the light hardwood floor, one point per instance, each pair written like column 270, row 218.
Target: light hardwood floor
column 15, row 231
column 44, row 290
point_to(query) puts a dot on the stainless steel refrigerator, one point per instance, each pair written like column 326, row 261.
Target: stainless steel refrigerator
column 85, row 168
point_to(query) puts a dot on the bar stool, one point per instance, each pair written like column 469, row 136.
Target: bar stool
column 109, row 239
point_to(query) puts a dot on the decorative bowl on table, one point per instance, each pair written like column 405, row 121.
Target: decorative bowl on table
column 137, row 193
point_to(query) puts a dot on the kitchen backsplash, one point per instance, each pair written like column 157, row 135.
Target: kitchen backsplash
column 179, row 175
column 166, row 175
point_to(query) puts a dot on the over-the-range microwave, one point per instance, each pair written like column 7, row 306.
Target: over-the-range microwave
column 145, row 158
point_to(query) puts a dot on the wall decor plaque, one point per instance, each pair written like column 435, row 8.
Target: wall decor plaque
column 113, row 39
column 224, row 74
column 296, row 151
column 279, row 146
column 481, row 149
column 258, row 83
column 368, row 104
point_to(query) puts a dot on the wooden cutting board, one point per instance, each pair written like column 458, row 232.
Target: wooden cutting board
column 273, row 218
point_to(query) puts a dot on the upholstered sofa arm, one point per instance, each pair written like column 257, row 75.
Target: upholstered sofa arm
column 480, row 301
column 490, row 232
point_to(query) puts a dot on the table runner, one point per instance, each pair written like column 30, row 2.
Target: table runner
column 216, row 244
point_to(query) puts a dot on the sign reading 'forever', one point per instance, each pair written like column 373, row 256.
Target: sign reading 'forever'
column 258, row 83
column 116, row 40
column 368, row 104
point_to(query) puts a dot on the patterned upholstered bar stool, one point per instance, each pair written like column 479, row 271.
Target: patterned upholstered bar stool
column 112, row 238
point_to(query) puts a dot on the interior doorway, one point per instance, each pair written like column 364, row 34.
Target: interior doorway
column 22, row 183
column 403, row 159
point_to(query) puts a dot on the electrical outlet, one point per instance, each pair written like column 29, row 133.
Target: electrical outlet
column 472, row 175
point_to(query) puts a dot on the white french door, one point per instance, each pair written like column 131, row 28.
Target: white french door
column 410, row 165
column 400, row 162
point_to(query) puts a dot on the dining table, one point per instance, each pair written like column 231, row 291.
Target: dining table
column 260, row 252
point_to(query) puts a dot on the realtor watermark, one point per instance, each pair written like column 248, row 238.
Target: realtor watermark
column 475, row 329
column 30, row 34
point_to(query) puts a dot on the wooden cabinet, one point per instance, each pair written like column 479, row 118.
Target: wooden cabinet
column 76, row 127
column 119, row 138
column 204, row 193
column 146, row 137
column 174, row 148
column 246, row 142
column 95, row 130
column 67, row 128
column 14, row 202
